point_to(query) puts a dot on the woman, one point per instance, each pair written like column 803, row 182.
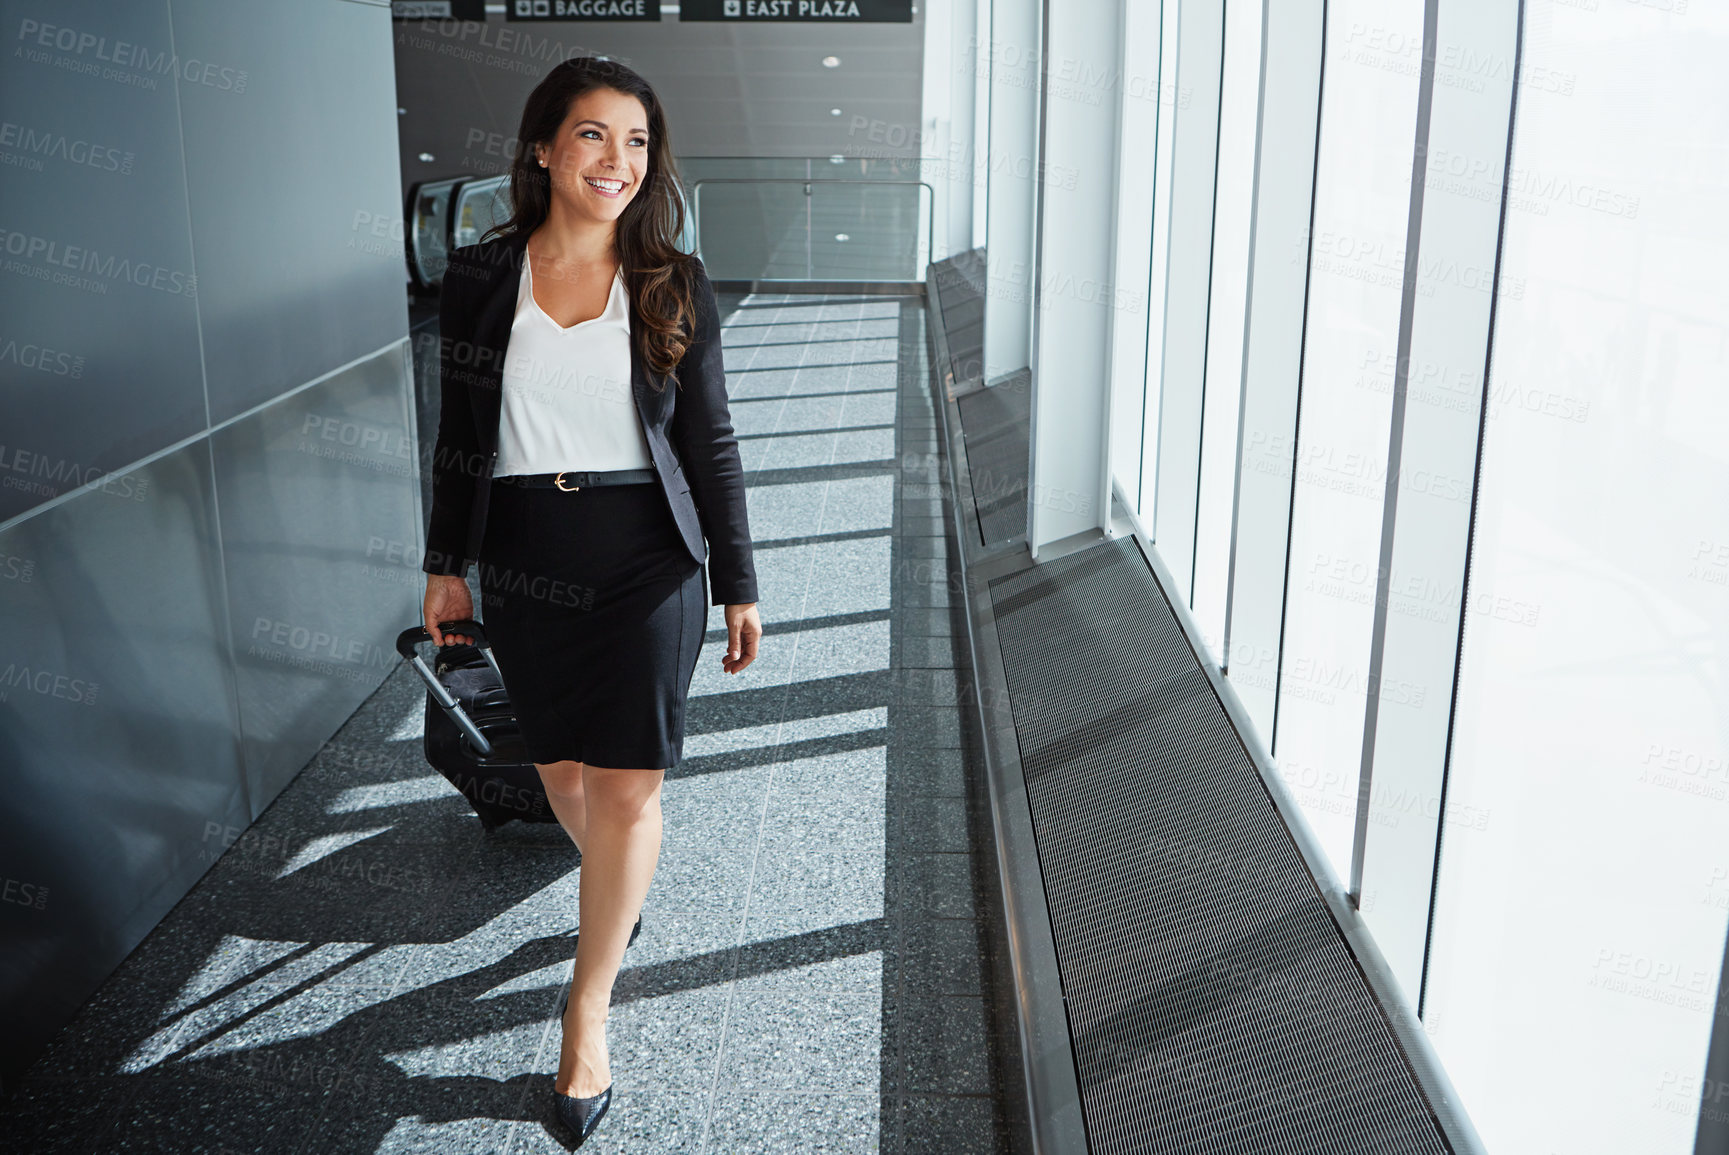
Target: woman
column 584, row 452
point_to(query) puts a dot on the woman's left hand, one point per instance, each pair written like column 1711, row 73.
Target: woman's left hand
column 743, row 631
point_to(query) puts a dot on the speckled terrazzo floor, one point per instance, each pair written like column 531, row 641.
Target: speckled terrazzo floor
column 366, row 970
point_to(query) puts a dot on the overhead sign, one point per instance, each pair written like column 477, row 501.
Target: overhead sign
column 438, row 10
column 805, row 11
column 582, row 9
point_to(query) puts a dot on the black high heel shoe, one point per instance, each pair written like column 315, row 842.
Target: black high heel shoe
column 583, row 1115
column 565, row 1001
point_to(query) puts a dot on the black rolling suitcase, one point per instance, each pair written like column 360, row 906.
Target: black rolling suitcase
column 471, row 733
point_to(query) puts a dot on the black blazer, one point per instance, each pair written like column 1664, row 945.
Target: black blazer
column 690, row 436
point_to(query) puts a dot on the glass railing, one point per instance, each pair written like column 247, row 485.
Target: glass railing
column 809, row 218
column 429, row 230
column 480, row 204
column 749, row 218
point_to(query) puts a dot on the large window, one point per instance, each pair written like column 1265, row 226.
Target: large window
column 1356, row 269
column 1229, row 298
column 1505, row 565
column 1579, row 933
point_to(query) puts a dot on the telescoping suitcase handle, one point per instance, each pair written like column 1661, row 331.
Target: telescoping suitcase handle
column 408, row 643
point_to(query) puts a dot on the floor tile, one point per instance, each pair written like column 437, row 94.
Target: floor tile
column 945, row 1125
column 175, row 1113
column 936, row 1043
column 64, row 1114
column 935, row 885
column 924, row 823
column 783, row 1124
column 813, row 950
column 666, row 1040
column 940, row 956
column 828, row 1041
column 805, row 879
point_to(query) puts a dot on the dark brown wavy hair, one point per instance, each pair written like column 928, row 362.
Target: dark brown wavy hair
column 658, row 276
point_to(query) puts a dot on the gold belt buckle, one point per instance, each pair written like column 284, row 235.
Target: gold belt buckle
column 558, row 481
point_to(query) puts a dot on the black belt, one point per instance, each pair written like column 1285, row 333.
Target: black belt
column 571, row 480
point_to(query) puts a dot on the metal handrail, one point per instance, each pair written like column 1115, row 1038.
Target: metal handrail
column 687, row 163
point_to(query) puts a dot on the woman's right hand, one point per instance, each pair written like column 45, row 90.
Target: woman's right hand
column 447, row 600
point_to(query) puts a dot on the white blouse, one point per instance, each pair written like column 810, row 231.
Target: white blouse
column 567, row 400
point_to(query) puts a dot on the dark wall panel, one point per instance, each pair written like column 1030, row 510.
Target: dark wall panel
column 133, row 747
column 117, row 736
column 290, row 150
column 98, row 319
column 319, row 508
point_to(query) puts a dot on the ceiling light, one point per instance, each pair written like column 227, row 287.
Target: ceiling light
column 831, row 62
column 834, row 112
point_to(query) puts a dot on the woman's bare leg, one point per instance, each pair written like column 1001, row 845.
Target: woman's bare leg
column 620, row 849
column 563, row 782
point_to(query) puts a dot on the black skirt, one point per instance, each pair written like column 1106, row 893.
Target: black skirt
column 596, row 614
